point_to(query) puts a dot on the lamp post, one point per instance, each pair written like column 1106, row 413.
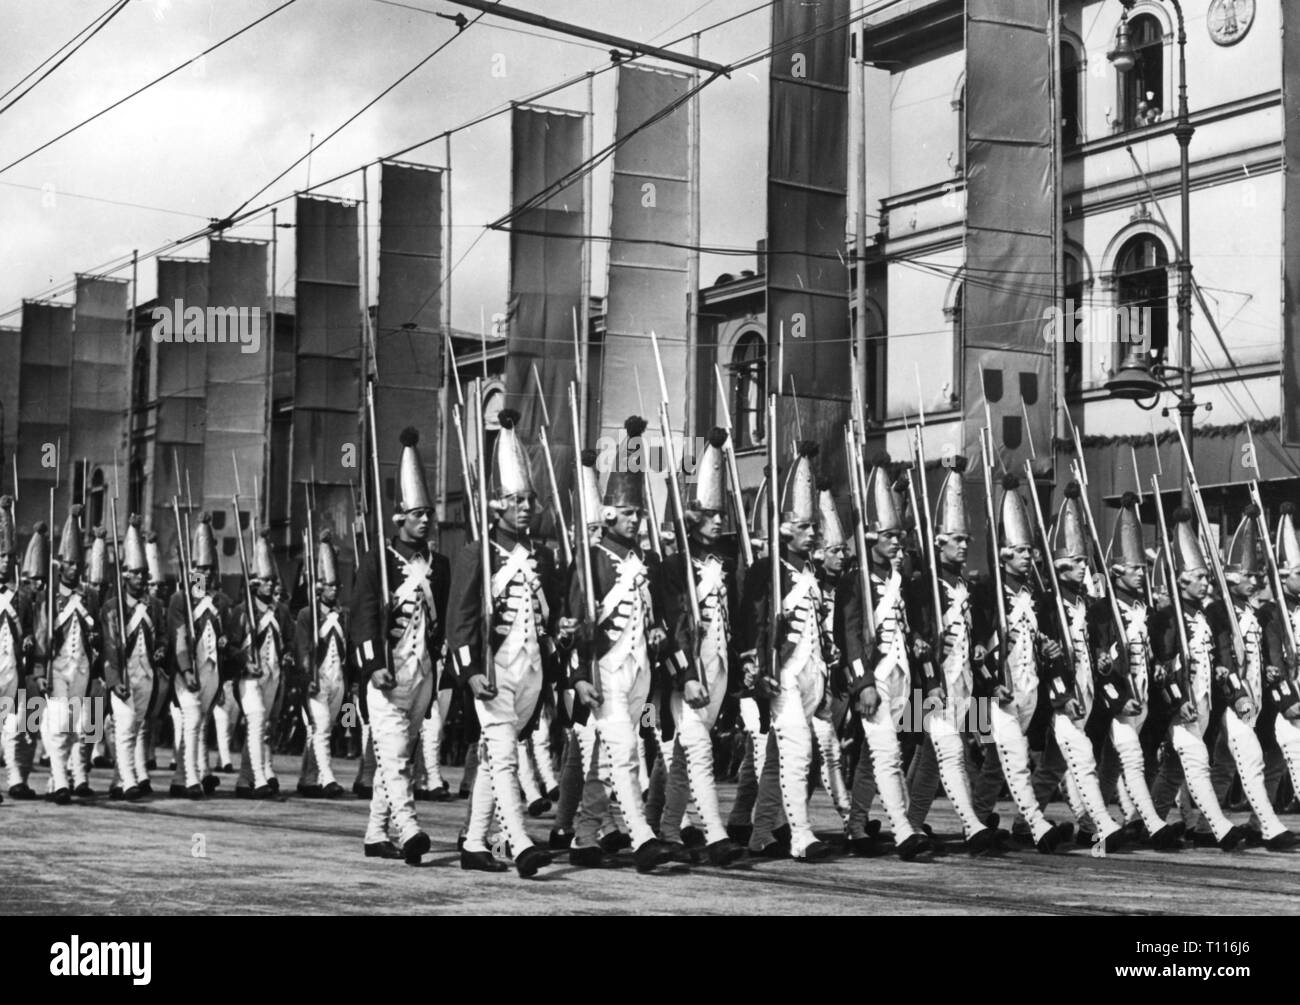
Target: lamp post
column 1135, row 379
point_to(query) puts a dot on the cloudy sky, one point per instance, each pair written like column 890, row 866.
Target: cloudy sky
column 199, row 144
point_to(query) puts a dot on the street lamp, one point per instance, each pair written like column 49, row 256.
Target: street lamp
column 1136, row 379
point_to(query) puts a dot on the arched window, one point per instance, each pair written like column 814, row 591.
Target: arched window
column 1071, row 124
column 1142, row 89
column 1072, row 350
column 1142, row 294
column 749, row 364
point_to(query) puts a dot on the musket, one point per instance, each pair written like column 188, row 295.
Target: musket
column 380, row 539
column 182, row 556
column 1058, row 602
column 309, row 562
column 566, row 550
column 995, row 562
column 1274, row 577
column 1175, row 596
column 356, row 549
column 733, row 476
column 651, row 514
column 1107, row 586
column 774, row 552
column 485, row 544
column 466, row 472
column 250, row 611
column 1212, row 549
column 176, row 466
column 679, row 516
column 50, row 587
column 926, row 527
column 581, row 539
column 117, row 583
column 859, row 545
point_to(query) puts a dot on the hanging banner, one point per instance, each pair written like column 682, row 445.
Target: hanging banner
column 44, row 410
column 807, row 202
column 408, row 336
column 101, row 390
column 650, row 230
column 545, row 266
column 237, row 334
column 11, row 345
column 1291, row 226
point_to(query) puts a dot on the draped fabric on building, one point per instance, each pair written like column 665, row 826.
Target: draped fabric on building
column 807, row 208
column 101, row 391
column 409, row 342
column 238, row 383
column 179, row 372
column 44, row 409
column 1291, row 226
column 1011, row 229
column 326, row 450
column 10, row 360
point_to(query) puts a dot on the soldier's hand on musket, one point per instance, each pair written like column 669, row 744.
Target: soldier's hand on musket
column 1244, row 707
column 480, row 688
column 220, row 697
column 1051, row 648
column 1003, row 695
column 401, row 618
column 1131, row 707
column 383, row 679
column 159, row 655
column 656, row 637
column 1074, row 709
column 191, row 680
column 566, row 629
column 868, row 701
column 922, row 650
column 1187, row 712
column 586, row 692
column 1291, row 712
column 122, row 691
column 313, row 688
column 694, row 694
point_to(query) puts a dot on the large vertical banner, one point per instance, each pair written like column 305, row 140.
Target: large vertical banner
column 409, row 342
column 545, row 263
column 44, row 408
column 237, row 333
column 1011, row 224
column 648, row 253
column 101, row 390
column 326, row 451
column 1291, row 226
column 10, row 360
column 179, row 374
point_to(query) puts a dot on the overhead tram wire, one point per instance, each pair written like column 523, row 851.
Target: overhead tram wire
column 140, row 90
column 54, row 55
column 70, row 53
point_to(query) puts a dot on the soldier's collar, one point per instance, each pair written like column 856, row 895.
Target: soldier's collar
column 408, row 548
column 508, row 539
column 620, row 546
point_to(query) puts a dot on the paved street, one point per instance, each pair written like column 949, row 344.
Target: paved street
column 300, row 856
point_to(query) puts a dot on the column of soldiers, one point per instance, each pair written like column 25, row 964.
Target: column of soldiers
column 1107, row 678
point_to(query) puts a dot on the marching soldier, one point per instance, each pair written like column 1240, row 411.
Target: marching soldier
column 1029, row 655
column 881, row 696
column 942, row 754
column 399, row 658
column 800, row 671
column 1122, row 757
column 628, row 626
column 161, row 705
column 831, row 558
column 74, row 643
column 1281, row 691
column 525, row 598
column 134, row 659
column 1242, row 688
column 322, row 660
column 203, row 652
column 1073, row 691
column 695, row 707
column 1185, row 691
column 269, row 629
column 17, row 623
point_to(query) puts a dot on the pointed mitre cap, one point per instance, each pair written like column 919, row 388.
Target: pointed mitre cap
column 264, row 566
column 1069, row 539
column 133, row 557
column 326, row 560
column 833, row 535
column 1126, row 544
column 71, row 550
column 512, row 474
column 1288, row 542
column 625, row 485
column 36, row 560
column 1013, row 519
column 412, row 489
column 882, row 504
column 203, row 552
column 1244, row 556
column 950, row 509
column 710, row 487
column 800, row 502
column 1188, row 556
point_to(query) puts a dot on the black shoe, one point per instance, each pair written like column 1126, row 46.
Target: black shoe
column 1179, row 828
column 991, row 821
column 614, row 842
column 773, row 850
column 864, row 847
column 1254, row 837
column 310, row 791
column 146, row 788
column 264, row 792
column 1114, row 841
column 782, row 834
column 84, row 791
column 652, row 854
column 1084, row 839
column 101, row 762
column 177, row 791
column 681, row 854
column 415, row 846
column 273, row 782
column 1282, row 842
column 172, row 766
column 132, row 793
column 1135, row 831
column 1234, row 837
column 61, row 797
column 914, row 845
column 116, row 793
column 539, row 806
column 1022, row 834
column 1165, row 839
column 553, row 794
column 590, row 857
column 243, row 792
column 152, row 765
column 210, row 784
column 21, row 791
column 362, row 791
column 462, row 793
column 195, row 792
column 382, row 849
column 532, row 858
column 332, row 791
column 740, row 833
column 227, row 769
column 423, row 795
column 693, row 837
column 441, row 795
column 818, row 851
column 560, row 839
column 725, row 853
column 1066, row 830
column 1205, row 839
column 983, row 842
column 873, row 828
column 481, row 861
column 1054, row 838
